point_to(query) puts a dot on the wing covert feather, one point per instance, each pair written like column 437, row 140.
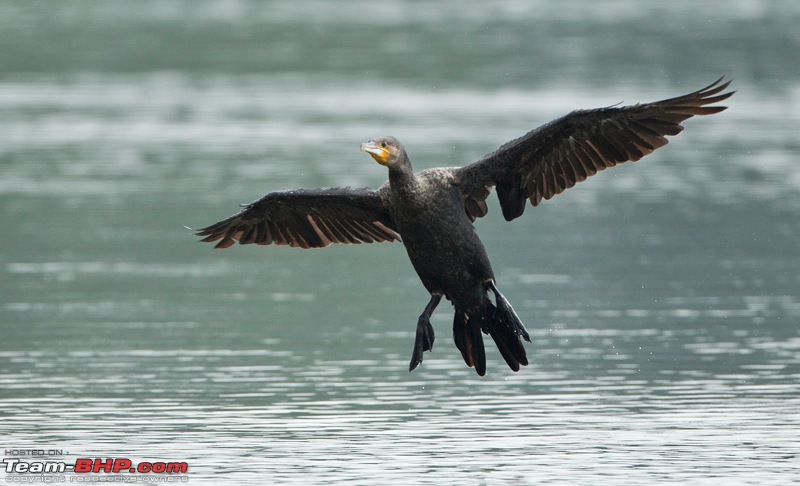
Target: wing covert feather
column 554, row 157
column 307, row 218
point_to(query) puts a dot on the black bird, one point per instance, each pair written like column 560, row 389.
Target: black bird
column 432, row 211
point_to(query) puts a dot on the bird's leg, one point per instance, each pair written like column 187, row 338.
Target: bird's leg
column 424, row 339
column 504, row 307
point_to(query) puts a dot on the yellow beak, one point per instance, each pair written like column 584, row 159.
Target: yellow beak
column 380, row 154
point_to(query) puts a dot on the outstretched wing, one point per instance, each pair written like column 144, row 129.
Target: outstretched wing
column 568, row 150
column 307, row 218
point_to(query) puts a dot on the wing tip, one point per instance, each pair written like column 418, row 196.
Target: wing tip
column 707, row 95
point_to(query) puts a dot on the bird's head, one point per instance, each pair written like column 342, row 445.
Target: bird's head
column 386, row 151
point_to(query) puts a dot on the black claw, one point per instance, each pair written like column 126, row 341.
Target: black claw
column 416, row 359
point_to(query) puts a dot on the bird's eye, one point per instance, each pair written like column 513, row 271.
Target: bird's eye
column 383, row 144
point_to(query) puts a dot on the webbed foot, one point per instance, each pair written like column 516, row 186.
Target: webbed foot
column 425, row 335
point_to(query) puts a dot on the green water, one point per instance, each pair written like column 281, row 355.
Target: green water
column 662, row 297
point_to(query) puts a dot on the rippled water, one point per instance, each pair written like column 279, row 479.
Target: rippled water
column 663, row 297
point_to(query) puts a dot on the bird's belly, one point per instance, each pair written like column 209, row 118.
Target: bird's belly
column 447, row 255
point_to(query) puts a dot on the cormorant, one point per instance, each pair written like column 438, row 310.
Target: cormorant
column 432, row 211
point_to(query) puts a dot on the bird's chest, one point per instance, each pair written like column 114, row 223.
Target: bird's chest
column 421, row 208
column 432, row 222
column 439, row 238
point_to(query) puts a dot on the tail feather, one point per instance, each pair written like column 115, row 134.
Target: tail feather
column 475, row 346
column 507, row 313
column 460, row 336
column 506, row 338
column 468, row 339
column 501, row 323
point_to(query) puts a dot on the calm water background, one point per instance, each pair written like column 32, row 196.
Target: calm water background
column 662, row 296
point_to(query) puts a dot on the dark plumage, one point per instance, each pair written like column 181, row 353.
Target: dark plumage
column 432, row 211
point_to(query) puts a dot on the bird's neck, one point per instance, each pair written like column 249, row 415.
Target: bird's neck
column 401, row 174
